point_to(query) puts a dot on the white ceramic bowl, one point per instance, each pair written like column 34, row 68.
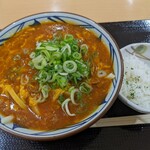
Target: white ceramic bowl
column 126, row 51
column 113, row 92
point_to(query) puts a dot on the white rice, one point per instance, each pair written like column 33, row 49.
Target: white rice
column 136, row 82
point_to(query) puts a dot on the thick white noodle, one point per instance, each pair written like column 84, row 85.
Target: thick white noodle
column 65, row 107
column 7, row 119
column 72, row 95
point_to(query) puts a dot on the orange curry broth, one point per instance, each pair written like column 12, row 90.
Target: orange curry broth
column 51, row 115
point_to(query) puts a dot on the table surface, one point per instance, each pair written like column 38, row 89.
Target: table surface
column 137, row 31
column 113, row 127
column 98, row 10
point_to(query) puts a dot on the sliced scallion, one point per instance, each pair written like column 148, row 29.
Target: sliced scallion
column 84, row 48
column 70, row 66
column 85, row 88
column 59, row 61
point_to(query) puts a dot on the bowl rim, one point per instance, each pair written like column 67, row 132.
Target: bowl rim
column 124, row 99
column 102, row 113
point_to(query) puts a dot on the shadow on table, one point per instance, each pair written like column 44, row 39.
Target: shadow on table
column 81, row 140
column 108, row 138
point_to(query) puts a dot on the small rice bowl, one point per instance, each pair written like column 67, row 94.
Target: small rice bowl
column 136, row 82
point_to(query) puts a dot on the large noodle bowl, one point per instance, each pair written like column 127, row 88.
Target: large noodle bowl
column 53, row 75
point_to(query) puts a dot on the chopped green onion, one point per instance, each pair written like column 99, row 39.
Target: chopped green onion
column 43, row 76
column 24, row 79
column 68, row 37
column 63, row 73
column 54, row 76
column 46, row 54
column 25, row 51
column 32, row 55
column 85, row 88
column 50, row 48
column 56, row 55
column 76, row 55
column 70, row 66
column 61, row 80
column 45, row 90
column 84, row 48
column 39, row 62
column 101, row 73
column 17, row 57
column 61, row 99
column 40, row 48
column 75, row 48
column 59, row 61
column 71, row 88
column 66, row 48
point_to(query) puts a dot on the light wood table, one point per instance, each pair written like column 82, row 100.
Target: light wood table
column 98, row 10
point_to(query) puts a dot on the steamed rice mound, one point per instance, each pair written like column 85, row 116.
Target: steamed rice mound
column 136, row 83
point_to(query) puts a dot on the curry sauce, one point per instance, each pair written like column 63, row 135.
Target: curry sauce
column 14, row 60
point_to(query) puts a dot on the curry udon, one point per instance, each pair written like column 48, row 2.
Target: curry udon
column 53, row 75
